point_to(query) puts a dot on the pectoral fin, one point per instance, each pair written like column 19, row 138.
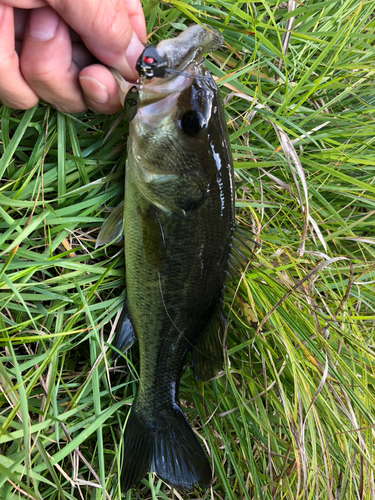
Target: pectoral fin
column 112, row 227
column 153, row 238
column 168, row 190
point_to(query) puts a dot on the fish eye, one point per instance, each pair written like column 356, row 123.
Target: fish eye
column 193, row 122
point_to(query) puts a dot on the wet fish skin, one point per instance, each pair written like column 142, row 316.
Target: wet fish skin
column 179, row 222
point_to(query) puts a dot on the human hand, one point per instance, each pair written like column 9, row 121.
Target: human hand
column 50, row 49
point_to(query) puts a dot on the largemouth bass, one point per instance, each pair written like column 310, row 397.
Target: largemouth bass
column 178, row 228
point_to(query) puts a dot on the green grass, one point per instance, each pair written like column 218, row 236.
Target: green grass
column 293, row 414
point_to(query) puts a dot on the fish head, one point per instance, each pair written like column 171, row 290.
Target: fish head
column 178, row 140
column 179, row 119
column 178, row 147
column 180, row 110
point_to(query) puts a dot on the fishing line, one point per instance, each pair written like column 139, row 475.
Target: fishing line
column 169, row 316
column 166, row 310
column 189, row 75
column 174, row 324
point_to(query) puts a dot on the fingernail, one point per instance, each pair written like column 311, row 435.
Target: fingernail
column 43, row 24
column 133, row 51
column 94, row 90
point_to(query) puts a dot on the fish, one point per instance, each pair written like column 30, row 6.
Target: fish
column 178, row 223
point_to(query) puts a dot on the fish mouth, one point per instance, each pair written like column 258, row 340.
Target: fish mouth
column 170, row 84
column 159, row 96
column 156, row 111
column 158, row 89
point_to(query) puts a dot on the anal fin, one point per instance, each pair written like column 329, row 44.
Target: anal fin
column 207, row 356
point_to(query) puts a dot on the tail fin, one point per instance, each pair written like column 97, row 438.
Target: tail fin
column 165, row 445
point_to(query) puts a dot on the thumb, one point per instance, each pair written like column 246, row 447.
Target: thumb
column 112, row 30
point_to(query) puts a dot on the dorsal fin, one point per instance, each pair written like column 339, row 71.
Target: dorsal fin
column 242, row 249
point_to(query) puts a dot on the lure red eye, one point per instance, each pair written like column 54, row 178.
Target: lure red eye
column 148, row 60
column 150, row 63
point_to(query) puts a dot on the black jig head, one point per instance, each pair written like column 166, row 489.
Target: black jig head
column 151, row 64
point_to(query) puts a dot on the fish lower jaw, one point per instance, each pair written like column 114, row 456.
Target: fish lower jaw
column 157, row 111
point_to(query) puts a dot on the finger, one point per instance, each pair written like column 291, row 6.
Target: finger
column 25, row 4
column 137, row 18
column 14, row 90
column 106, row 30
column 46, row 61
column 100, row 89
